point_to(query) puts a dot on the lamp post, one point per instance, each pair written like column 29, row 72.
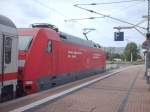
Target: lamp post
column 131, row 54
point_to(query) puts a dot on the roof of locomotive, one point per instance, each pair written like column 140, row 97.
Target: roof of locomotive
column 34, row 31
column 6, row 21
column 63, row 36
column 27, row 31
column 76, row 40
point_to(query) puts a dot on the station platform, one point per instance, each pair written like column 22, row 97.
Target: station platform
column 122, row 91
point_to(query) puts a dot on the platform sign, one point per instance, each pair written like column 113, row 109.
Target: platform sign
column 119, row 36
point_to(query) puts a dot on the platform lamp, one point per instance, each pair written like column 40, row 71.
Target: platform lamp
column 86, row 31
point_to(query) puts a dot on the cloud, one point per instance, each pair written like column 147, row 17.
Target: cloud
column 30, row 9
column 26, row 12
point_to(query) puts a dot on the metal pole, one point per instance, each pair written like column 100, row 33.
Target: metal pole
column 3, row 60
column 148, row 24
column 148, row 29
column 131, row 57
column 145, row 64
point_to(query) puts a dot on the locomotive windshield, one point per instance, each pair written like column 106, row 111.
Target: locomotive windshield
column 24, row 42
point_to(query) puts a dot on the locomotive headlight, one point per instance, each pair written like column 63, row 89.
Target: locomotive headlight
column 28, row 86
column 29, row 82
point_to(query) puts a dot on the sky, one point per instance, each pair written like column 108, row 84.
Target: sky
column 59, row 12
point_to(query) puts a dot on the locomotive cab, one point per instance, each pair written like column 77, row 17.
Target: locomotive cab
column 35, row 48
column 8, row 58
column 25, row 41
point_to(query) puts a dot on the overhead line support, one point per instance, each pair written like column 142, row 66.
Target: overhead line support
column 92, row 11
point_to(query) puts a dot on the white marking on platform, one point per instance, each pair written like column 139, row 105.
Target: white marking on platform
column 53, row 97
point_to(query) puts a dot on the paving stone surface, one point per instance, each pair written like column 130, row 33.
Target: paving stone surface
column 124, row 92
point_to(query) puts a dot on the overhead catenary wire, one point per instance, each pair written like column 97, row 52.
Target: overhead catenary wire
column 84, row 18
column 60, row 13
column 56, row 11
column 113, row 18
column 48, row 7
column 139, row 31
column 91, row 18
column 133, row 27
column 109, row 3
column 128, row 7
column 141, row 22
column 132, row 5
column 148, row 24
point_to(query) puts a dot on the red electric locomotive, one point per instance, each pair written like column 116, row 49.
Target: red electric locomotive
column 8, row 58
column 48, row 58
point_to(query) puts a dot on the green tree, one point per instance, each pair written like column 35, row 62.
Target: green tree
column 131, row 48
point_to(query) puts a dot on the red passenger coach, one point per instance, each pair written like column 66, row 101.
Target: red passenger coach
column 48, row 58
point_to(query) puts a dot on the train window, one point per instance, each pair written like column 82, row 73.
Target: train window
column 95, row 45
column 49, row 46
column 8, row 47
column 24, row 42
column 63, row 36
column 99, row 46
